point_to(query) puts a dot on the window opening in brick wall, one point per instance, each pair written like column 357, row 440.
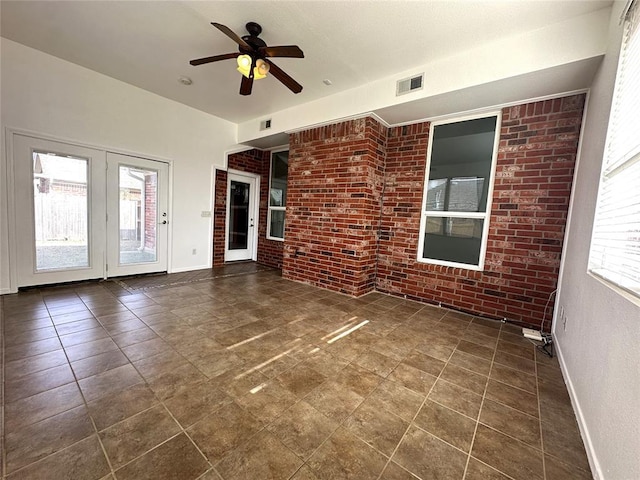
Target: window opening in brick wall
column 615, row 244
column 277, row 195
column 457, row 196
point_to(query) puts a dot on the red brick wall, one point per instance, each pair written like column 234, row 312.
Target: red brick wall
column 536, row 158
column 333, row 205
column 251, row 161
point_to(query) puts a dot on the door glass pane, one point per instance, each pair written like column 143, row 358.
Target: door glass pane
column 60, row 211
column 138, row 214
column 238, row 215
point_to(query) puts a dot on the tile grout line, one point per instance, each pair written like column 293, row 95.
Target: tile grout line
column 144, row 380
column 341, row 423
column 419, row 408
column 484, row 395
column 544, row 465
column 79, row 390
column 84, row 400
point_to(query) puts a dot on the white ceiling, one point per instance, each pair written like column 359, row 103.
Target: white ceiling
column 149, row 43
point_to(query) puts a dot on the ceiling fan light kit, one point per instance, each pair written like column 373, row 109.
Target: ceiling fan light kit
column 259, row 71
column 254, row 60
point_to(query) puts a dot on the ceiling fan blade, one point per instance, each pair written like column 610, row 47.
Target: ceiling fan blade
column 215, row 58
column 288, row 82
column 229, row 33
column 246, row 85
column 291, row 51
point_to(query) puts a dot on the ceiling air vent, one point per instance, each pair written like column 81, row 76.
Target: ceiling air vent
column 265, row 124
column 410, row 84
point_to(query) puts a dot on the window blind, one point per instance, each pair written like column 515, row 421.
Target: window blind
column 615, row 245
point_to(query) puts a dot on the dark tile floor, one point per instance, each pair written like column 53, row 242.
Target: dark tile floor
column 250, row 376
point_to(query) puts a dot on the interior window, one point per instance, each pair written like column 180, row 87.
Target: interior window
column 278, row 195
column 454, row 214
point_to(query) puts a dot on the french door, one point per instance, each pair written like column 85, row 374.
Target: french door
column 242, row 210
column 77, row 220
column 137, row 215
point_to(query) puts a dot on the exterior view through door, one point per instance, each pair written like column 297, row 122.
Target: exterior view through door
column 242, row 216
column 74, row 224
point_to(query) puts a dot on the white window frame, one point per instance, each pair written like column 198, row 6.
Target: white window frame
column 611, row 258
column 424, row 213
column 274, row 208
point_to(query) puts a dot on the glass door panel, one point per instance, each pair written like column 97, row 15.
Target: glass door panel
column 61, row 211
column 138, row 216
column 239, row 215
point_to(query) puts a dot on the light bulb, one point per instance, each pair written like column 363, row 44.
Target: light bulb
column 244, row 61
column 262, row 66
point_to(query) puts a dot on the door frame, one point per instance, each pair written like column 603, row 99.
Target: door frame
column 8, row 134
column 255, row 205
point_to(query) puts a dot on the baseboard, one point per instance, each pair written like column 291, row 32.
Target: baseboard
column 596, row 470
column 5, row 291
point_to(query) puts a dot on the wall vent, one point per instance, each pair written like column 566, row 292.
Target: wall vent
column 265, row 124
column 410, row 84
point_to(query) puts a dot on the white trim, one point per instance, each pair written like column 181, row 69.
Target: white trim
column 11, row 212
column 341, row 119
column 625, row 11
column 239, row 149
column 491, row 108
column 569, row 221
column 486, row 216
column 278, row 148
column 596, row 469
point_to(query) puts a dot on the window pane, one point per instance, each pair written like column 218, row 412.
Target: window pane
column 465, row 194
column 453, row 239
column 60, row 211
column 276, row 227
column 279, row 174
column 462, row 152
column 436, row 194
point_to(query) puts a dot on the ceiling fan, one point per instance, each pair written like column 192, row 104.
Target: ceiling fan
column 254, row 60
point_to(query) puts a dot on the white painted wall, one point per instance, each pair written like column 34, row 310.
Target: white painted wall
column 46, row 95
column 600, row 349
column 558, row 44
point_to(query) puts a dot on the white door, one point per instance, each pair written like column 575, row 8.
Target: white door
column 137, row 215
column 60, row 211
column 242, row 211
